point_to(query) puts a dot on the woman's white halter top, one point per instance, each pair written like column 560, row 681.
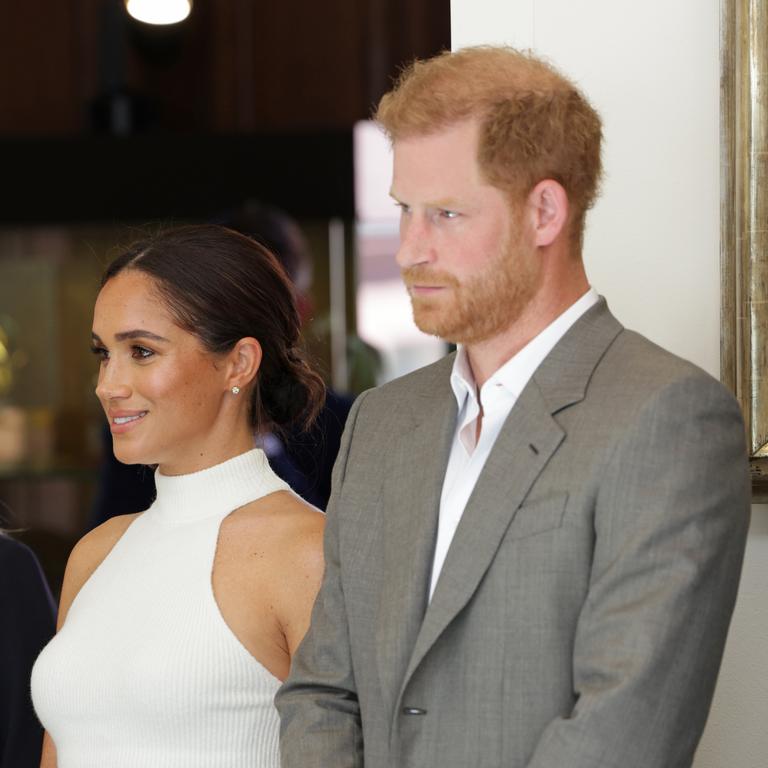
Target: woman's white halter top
column 145, row 673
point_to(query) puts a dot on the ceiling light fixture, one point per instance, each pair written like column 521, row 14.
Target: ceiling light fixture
column 159, row 11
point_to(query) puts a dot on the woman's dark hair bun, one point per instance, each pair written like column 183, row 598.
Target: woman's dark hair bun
column 290, row 391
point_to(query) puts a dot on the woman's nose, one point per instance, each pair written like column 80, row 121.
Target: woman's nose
column 111, row 384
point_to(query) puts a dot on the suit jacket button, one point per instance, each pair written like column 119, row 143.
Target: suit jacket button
column 414, row 711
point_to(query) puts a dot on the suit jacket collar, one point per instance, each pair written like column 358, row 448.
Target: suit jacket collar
column 563, row 376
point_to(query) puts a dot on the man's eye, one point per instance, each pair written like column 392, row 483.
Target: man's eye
column 403, row 207
column 448, row 214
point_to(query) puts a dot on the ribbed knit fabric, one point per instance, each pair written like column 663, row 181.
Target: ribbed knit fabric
column 145, row 673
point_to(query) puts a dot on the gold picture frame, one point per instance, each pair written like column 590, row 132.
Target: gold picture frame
column 744, row 221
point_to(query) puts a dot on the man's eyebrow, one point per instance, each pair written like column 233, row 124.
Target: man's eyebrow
column 135, row 334
column 445, row 202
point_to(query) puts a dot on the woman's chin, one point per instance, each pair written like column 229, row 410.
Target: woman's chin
column 126, row 455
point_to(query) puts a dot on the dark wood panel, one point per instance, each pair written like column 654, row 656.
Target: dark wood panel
column 38, row 92
column 173, row 178
column 397, row 31
column 233, row 66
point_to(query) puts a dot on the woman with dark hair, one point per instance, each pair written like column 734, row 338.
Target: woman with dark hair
column 178, row 624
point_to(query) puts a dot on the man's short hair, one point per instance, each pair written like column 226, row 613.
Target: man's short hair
column 535, row 123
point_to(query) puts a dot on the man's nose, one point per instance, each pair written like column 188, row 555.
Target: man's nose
column 415, row 244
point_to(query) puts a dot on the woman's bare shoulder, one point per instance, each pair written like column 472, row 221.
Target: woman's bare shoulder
column 96, row 544
column 88, row 554
column 286, row 528
column 283, row 512
column 297, row 558
column 274, row 546
column 301, row 530
column 299, row 539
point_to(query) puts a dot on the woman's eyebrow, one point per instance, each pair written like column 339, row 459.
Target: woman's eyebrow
column 135, row 334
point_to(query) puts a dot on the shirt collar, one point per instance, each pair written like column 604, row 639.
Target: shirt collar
column 510, row 379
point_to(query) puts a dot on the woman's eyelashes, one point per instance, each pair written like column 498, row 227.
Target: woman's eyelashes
column 141, row 353
column 138, row 352
column 100, row 352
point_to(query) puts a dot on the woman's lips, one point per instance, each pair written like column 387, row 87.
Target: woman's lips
column 120, row 423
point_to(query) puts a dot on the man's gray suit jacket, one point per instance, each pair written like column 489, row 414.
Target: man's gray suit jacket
column 580, row 616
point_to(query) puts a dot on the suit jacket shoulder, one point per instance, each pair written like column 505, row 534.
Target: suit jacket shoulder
column 430, row 381
column 599, row 357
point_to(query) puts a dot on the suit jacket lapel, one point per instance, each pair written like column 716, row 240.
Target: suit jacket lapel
column 411, row 503
column 527, row 441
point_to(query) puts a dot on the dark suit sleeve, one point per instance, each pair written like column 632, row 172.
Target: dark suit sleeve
column 27, row 613
column 318, row 705
column 123, row 489
column 671, row 519
column 311, row 454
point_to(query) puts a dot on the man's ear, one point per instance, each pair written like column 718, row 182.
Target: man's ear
column 548, row 207
column 244, row 362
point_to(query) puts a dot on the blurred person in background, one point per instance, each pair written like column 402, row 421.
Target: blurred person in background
column 28, row 618
column 303, row 458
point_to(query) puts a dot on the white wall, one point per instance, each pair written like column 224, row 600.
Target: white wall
column 737, row 731
column 652, row 71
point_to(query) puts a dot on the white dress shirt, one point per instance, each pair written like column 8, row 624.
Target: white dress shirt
column 497, row 395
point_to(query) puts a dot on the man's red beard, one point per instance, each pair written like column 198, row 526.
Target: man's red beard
column 484, row 304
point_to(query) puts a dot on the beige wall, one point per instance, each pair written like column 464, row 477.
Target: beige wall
column 652, row 70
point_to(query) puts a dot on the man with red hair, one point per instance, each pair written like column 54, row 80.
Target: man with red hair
column 534, row 545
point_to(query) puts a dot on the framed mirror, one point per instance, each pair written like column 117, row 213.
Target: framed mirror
column 744, row 221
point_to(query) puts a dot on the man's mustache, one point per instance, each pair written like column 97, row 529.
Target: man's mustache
column 422, row 275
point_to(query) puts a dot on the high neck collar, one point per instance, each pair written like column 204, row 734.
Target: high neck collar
column 216, row 490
